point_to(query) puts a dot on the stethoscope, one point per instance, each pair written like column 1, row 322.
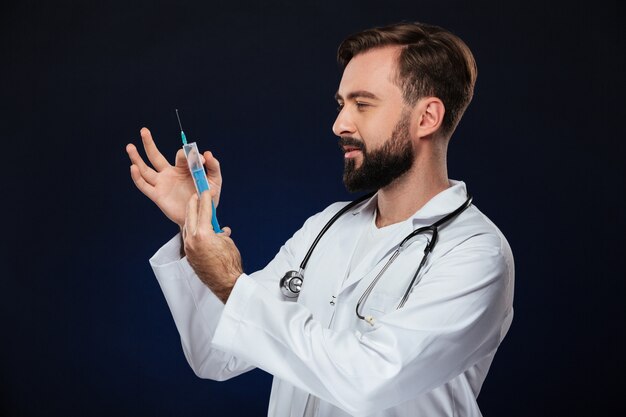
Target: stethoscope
column 291, row 283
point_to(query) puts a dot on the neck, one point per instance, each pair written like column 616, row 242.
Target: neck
column 404, row 196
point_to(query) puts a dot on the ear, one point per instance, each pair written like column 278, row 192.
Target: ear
column 429, row 113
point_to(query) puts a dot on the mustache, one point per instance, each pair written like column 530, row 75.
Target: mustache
column 350, row 141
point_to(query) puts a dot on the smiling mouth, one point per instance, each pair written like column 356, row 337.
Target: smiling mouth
column 351, row 147
column 351, row 151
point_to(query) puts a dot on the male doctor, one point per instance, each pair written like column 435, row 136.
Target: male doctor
column 365, row 335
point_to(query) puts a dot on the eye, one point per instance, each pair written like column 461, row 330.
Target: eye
column 339, row 107
column 361, row 105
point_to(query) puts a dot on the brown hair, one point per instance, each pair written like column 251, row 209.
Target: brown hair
column 432, row 62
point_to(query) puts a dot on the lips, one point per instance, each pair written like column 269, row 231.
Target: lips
column 351, row 147
column 351, row 151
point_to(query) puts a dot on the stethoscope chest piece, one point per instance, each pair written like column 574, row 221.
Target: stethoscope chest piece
column 291, row 284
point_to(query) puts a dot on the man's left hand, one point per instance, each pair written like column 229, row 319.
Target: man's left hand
column 213, row 256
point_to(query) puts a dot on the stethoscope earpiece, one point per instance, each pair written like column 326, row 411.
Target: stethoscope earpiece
column 291, row 284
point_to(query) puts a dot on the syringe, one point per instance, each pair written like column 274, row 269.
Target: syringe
column 194, row 162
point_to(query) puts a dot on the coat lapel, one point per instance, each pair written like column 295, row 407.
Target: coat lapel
column 375, row 258
column 436, row 208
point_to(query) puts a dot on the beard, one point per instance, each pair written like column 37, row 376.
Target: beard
column 380, row 167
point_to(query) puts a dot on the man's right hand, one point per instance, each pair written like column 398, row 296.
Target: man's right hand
column 169, row 187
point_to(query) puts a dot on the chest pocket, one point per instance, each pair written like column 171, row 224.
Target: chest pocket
column 376, row 306
column 379, row 303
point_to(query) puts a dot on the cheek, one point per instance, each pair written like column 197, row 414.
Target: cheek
column 376, row 131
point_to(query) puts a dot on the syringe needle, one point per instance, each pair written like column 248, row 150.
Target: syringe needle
column 182, row 134
column 178, row 117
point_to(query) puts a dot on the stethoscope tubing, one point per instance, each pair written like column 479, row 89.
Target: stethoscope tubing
column 434, row 230
column 330, row 223
column 291, row 283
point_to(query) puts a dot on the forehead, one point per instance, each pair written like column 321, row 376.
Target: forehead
column 372, row 71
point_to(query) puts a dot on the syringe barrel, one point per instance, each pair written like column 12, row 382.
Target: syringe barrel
column 194, row 162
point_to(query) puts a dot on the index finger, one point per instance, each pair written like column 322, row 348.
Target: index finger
column 156, row 158
column 205, row 210
column 191, row 223
column 212, row 164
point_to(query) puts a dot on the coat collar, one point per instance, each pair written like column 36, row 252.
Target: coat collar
column 437, row 207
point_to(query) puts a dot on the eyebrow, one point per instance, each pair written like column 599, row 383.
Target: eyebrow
column 357, row 94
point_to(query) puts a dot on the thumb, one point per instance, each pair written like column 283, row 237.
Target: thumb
column 226, row 231
column 181, row 159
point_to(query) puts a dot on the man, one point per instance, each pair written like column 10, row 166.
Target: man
column 363, row 337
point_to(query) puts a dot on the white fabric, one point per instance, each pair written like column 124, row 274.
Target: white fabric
column 369, row 238
column 428, row 358
column 311, row 407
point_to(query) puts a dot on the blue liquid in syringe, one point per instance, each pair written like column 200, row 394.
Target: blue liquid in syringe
column 200, row 179
column 203, row 185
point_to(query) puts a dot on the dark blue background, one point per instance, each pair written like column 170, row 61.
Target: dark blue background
column 85, row 329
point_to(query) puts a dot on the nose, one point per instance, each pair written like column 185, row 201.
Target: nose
column 343, row 124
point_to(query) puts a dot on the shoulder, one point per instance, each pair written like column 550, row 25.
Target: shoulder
column 314, row 223
column 474, row 237
column 324, row 216
column 329, row 211
column 488, row 233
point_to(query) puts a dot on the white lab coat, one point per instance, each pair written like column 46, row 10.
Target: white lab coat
column 428, row 358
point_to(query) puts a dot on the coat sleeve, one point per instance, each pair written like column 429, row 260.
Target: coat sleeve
column 457, row 317
column 197, row 311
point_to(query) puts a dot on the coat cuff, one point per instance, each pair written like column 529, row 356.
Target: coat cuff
column 234, row 312
column 167, row 263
